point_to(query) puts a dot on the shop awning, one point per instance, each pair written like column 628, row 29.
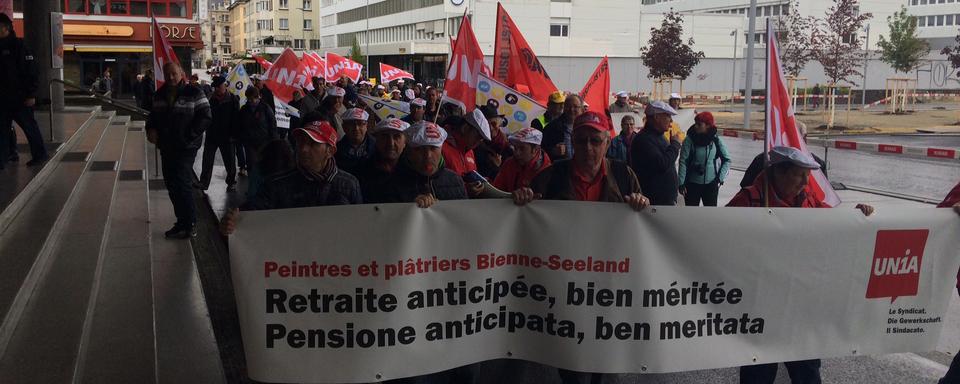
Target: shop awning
column 112, row 48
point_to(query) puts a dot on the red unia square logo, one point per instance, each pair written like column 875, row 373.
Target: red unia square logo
column 897, row 258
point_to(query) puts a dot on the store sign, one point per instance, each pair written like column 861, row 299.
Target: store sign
column 180, row 32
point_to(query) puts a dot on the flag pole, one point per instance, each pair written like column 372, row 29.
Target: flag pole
column 766, row 119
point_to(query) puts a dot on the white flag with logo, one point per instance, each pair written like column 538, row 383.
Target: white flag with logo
column 237, row 82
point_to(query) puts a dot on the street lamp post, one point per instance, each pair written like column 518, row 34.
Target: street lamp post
column 366, row 12
column 733, row 88
column 866, row 59
column 752, row 28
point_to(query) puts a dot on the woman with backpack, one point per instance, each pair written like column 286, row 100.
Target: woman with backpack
column 704, row 162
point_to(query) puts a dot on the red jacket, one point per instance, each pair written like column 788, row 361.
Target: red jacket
column 457, row 158
column 514, row 175
column 753, row 197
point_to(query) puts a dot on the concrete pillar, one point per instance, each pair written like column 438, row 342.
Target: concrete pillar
column 36, row 28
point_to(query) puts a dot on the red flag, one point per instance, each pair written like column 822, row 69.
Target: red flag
column 514, row 62
column 781, row 126
column 263, row 63
column 313, row 65
column 466, row 63
column 389, row 73
column 286, row 76
column 162, row 54
column 338, row 66
column 596, row 92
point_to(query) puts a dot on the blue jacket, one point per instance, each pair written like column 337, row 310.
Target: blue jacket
column 695, row 159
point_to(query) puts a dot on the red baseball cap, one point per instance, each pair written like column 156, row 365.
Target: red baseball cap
column 320, row 131
column 592, row 120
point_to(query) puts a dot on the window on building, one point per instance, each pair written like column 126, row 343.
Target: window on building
column 314, row 43
column 284, row 4
column 941, row 1
column 226, row 50
column 138, row 7
column 158, row 9
column 914, row 2
column 284, row 24
column 307, row 24
column 119, row 7
column 307, row 5
column 560, row 27
column 931, row 21
column 940, row 20
column 922, row 21
column 178, row 8
column 214, row 50
column 949, row 20
column 298, row 43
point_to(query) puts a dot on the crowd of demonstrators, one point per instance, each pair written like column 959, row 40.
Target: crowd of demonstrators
column 700, row 173
column 621, row 104
column 257, row 125
column 356, row 146
column 418, row 111
column 421, row 176
column 390, row 141
column 465, row 134
column 527, row 161
column 180, row 115
column 19, row 73
column 491, row 152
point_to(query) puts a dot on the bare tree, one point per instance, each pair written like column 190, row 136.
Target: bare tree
column 666, row 55
column 837, row 44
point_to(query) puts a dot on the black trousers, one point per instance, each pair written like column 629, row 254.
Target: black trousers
column 210, row 147
column 178, row 177
column 241, row 156
column 953, row 374
column 23, row 116
column 801, row 372
column 702, row 192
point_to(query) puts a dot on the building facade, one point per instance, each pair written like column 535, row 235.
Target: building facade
column 270, row 26
column 116, row 35
column 238, row 45
column 220, row 36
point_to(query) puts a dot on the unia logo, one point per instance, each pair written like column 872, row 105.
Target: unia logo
column 897, row 259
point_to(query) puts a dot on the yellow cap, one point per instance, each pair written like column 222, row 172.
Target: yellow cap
column 557, row 97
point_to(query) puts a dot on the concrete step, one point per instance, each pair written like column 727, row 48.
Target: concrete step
column 118, row 340
column 31, row 218
column 44, row 343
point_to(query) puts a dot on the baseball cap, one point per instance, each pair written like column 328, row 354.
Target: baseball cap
column 658, row 106
column 391, row 124
column 796, row 157
column 479, row 121
column 591, row 119
column 425, row 133
column 675, row 96
column 490, row 111
column 623, row 94
column 527, row 135
column 336, row 92
column 418, row 102
column 557, row 97
column 409, row 94
column 380, row 86
column 355, row 114
column 320, row 131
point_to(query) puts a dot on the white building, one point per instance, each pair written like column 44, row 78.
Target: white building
column 571, row 36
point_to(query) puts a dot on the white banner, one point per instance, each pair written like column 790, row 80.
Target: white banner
column 518, row 109
column 397, row 291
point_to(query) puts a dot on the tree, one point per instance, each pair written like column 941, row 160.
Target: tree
column 666, row 55
column 904, row 50
column 795, row 41
column 355, row 54
column 953, row 53
column 836, row 42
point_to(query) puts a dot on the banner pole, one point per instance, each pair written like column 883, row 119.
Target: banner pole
column 766, row 120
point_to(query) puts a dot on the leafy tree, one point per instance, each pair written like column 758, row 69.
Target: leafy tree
column 355, row 54
column 836, row 42
column 795, row 40
column 953, row 54
column 666, row 55
column 904, row 50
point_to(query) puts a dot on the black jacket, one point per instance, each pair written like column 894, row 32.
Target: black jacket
column 556, row 133
column 556, row 182
column 654, row 161
column 257, row 125
column 180, row 126
column 349, row 159
column 373, row 180
column 225, row 111
column 405, row 184
column 294, row 189
column 19, row 72
column 266, row 96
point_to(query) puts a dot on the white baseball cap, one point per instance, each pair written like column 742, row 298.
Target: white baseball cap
column 389, row 124
column 425, row 133
column 478, row 121
column 527, row 135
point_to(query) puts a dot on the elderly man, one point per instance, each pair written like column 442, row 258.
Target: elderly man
column 420, row 176
column 527, row 161
column 620, row 145
column 180, row 115
column 356, row 146
column 653, row 158
column 433, row 103
column 588, row 175
column 265, row 93
column 390, row 138
column 557, row 134
column 417, row 111
column 785, row 186
column 225, row 109
column 621, row 105
column 316, row 181
column 19, row 72
column 466, row 134
column 554, row 109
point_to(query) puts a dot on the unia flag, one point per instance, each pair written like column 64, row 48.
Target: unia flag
column 338, row 66
column 162, row 54
column 238, row 81
column 781, row 126
column 286, row 76
column 466, row 64
column 514, row 62
column 596, row 92
column 264, row 64
column 390, row 73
